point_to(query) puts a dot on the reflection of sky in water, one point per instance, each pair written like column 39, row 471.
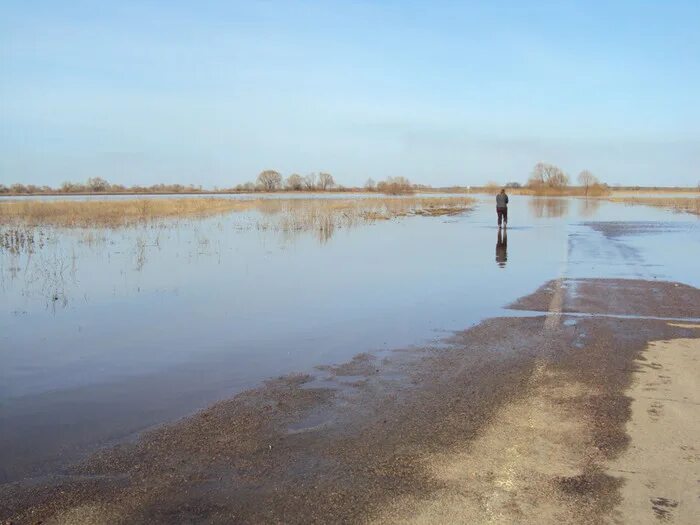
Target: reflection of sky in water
column 190, row 313
column 143, row 298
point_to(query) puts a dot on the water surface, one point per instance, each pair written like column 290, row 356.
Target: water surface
column 104, row 333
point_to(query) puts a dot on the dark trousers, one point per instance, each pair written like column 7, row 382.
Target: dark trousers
column 502, row 215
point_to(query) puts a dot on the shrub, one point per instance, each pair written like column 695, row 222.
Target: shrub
column 395, row 186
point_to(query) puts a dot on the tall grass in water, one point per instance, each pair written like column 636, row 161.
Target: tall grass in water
column 595, row 190
column 326, row 215
column 111, row 213
column 288, row 214
column 679, row 204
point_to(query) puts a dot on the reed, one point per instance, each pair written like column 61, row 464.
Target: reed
column 678, row 204
column 110, row 213
column 595, row 190
column 285, row 214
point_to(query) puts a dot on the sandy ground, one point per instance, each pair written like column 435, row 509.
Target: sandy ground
column 505, row 475
column 661, row 467
column 537, row 419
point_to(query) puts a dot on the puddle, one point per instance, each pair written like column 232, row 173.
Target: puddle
column 106, row 332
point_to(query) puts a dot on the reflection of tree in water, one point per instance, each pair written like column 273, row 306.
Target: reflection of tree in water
column 548, row 206
column 588, row 207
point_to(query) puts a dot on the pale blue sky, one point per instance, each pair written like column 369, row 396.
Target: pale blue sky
column 442, row 92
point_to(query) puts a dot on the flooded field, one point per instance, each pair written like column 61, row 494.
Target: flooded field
column 109, row 330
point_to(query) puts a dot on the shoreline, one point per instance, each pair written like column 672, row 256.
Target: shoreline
column 420, row 434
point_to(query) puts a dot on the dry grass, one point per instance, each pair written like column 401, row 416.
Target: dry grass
column 285, row 214
column 595, row 190
column 679, row 204
column 324, row 216
column 110, row 213
column 656, row 189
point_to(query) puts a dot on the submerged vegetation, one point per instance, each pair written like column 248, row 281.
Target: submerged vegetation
column 109, row 213
column 679, row 204
column 289, row 214
column 27, row 225
column 325, row 215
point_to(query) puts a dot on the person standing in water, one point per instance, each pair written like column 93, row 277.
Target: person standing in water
column 502, row 208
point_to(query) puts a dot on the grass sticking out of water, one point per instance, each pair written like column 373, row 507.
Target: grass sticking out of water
column 679, row 204
column 111, row 213
column 324, row 216
column 288, row 214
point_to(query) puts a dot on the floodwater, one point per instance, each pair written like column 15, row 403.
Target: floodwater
column 105, row 333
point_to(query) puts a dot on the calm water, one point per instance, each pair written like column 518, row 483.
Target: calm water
column 104, row 333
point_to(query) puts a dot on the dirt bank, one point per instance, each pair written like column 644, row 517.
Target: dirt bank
column 515, row 420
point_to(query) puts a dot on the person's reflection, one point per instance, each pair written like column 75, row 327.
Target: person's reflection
column 502, row 248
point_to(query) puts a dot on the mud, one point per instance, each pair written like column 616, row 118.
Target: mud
column 544, row 397
column 617, row 296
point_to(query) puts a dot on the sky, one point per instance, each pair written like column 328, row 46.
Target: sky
column 443, row 93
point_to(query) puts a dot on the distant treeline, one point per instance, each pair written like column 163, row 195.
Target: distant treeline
column 97, row 185
column 271, row 180
column 545, row 179
column 267, row 181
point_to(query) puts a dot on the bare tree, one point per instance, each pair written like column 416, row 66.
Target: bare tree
column 269, row 180
column 310, row 182
column 246, row 186
column 97, row 184
column 370, row 185
column 587, row 179
column 325, row 181
column 548, row 175
column 294, row 182
column 395, row 186
column 70, row 187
